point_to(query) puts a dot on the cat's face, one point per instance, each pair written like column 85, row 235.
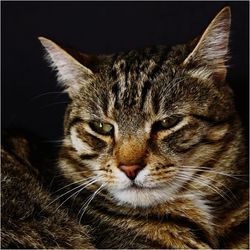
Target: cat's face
column 146, row 120
column 140, row 137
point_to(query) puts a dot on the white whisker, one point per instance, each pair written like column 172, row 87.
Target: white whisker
column 206, row 169
column 65, row 194
column 90, row 178
column 77, row 192
column 203, row 183
column 46, row 94
column 212, row 180
column 86, row 204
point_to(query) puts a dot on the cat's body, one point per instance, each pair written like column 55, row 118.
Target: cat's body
column 27, row 221
column 153, row 154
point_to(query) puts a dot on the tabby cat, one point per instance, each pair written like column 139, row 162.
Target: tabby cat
column 152, row 156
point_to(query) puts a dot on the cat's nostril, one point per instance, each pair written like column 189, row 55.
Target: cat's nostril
column 131, row 170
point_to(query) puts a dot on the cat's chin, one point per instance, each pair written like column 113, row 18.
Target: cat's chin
column 142, row 197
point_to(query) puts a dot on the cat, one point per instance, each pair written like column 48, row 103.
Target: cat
column 153, row 153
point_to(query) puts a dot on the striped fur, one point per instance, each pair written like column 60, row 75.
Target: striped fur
column 192, row 191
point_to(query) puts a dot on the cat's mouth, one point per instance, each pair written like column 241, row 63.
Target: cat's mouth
column 136, row 186
column 140, row 195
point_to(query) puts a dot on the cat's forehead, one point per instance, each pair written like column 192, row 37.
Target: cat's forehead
column 144, row 63
column 131, row 78
column 139, row 85
column 133, row 92
column 134, row 72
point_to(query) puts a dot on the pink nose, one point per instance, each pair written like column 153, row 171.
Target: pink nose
column 131, row 170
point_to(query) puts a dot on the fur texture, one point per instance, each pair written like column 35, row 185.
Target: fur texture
column 27, row 220
column 153, row 154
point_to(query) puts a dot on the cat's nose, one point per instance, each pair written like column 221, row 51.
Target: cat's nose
column 131, row 170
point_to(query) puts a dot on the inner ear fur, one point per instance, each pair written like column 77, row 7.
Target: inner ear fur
column 209, row 57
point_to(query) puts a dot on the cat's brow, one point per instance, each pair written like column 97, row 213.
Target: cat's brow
column 75, row 121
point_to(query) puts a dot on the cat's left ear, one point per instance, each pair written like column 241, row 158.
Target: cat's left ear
column 71, row 74
column 209, row 57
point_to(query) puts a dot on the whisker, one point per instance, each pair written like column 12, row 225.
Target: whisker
column 212, row 180
column 64, row 195
column 77, row 192
column 79, row 172
column 86, row 204
column 73, row 184
column 45, row 94
column 204, row 184
column 53, row 141
column 206, row 169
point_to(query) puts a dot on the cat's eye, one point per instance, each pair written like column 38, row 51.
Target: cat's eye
column 170, row 122
column 167, row 123
column 102, row 128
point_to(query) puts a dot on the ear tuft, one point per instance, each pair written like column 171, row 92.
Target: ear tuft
column 70, row 73
column 210, row 55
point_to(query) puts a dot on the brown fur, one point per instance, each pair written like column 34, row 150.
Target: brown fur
column 192, row 188
column 27, row 221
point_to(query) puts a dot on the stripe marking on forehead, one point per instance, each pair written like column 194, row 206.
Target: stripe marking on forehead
column 132, row 83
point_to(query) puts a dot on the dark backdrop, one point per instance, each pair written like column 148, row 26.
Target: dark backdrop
column 31, row 98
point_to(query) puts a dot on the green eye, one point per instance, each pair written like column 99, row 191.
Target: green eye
column 102, row 128
column 170, row 122
column 166, row 123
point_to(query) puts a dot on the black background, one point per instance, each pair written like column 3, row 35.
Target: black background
column 31, row 98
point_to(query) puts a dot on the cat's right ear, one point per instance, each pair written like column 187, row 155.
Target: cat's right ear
column 208, row 60
column 71, row 74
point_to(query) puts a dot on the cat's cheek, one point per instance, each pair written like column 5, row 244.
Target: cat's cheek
column 78, row 144
column 143, row 177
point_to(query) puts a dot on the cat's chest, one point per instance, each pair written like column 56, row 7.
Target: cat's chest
column 128, row 231
column 144, row 234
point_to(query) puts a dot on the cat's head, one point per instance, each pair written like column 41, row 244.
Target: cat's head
column 143, row 121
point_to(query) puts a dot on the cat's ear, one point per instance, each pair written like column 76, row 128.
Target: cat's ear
column 71, row 74
column 209, row 57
